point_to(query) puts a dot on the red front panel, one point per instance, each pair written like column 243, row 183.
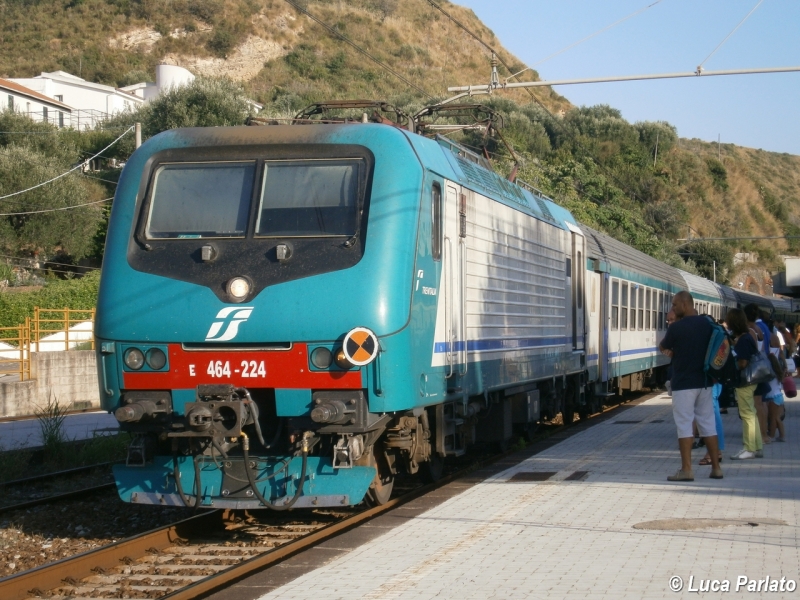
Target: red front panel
column 284, row 369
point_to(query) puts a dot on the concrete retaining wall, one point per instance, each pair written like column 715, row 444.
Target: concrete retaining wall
column 69, row 377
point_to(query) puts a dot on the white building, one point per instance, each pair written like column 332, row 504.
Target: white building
column 167, row 77
column 91, row 102
column 18, row 98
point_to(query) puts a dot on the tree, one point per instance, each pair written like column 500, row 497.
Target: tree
column 66, row 231
column 206, row 102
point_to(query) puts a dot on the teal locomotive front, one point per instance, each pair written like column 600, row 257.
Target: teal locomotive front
column 289, row 316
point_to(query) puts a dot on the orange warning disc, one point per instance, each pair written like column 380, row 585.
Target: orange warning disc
column 360, row 346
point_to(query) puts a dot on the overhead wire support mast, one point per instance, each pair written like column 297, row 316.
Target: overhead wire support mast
column 496, row 85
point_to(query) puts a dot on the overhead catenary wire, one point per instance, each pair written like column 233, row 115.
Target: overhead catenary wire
column 588, row 37
column 700, row 66
column 49, row 210
column 78, row 166
column 358, row 48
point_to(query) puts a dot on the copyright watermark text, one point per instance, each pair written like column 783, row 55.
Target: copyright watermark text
column 742, row 584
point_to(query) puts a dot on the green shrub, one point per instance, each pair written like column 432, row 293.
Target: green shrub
column 77, row 293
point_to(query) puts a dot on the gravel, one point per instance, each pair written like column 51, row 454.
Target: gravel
column 44, row 534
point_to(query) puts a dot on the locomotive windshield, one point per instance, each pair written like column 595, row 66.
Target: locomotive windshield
column 309, row 198
column 299, row 198
column 192, row 200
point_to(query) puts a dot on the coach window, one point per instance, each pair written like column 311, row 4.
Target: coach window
column 640, row 322
column 660, row 310
column 623, row 318
column 436, row 222
column 614, row 304
column 654, row 312
column 647, row 306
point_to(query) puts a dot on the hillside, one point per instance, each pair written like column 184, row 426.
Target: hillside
column 589, row 159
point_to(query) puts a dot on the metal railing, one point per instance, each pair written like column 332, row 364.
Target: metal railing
column 21, row 364
column 27, row 337
column 48, row 321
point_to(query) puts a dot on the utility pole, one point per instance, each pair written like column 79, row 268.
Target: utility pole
column 655, row 158
column 137, row 129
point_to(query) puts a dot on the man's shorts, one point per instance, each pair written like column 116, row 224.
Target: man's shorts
column 693, row 405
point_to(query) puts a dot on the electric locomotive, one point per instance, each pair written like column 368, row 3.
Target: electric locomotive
column 291, row 315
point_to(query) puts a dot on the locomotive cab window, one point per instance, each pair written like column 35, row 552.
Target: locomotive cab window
column 309, row 198
column 436, row 222
column 200, row 200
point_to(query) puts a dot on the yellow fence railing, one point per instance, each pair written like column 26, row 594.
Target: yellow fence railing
column 41, row 333
column 17, row 360
column 50, row 321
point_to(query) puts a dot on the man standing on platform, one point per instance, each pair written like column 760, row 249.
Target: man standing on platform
column 686, row 342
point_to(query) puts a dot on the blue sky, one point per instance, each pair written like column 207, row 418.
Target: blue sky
column 757, row 111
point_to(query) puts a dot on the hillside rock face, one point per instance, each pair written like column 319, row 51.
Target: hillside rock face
column 243, row 64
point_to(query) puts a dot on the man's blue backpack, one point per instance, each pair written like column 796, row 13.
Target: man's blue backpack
column 720, row 362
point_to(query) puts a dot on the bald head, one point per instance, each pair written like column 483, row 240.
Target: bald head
column 683, row 304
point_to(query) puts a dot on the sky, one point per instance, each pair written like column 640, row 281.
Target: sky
column 756, row 111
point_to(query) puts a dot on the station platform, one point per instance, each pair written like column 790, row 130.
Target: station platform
column 16, row 434
column 592, row 516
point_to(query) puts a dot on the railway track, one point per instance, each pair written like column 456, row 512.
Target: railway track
column 49, row 488
column 206, row 552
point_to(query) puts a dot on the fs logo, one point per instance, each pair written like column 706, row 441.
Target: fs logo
column 230, row 318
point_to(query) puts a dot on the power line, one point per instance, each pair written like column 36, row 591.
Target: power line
column 700, row 66
column 49, row 210
column 49, row 262
column 126, row 132
column 588, row 37
column 357, row 47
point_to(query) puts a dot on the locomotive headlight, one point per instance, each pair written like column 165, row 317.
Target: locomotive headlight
column 321, row 358
column 156, row 359
column 238, row 288
column 134, row 359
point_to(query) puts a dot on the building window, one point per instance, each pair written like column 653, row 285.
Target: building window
column 614, row 305
column 60, row 98
column 60, row 119
column 44, row 113
column 623, row 319
column 10, row 102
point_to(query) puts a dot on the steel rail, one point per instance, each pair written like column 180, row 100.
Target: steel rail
column 46, row 577
column 57, row 497
column 46, row 476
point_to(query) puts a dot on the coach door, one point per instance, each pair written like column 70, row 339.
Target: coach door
column 577, row 275
column 455, row 269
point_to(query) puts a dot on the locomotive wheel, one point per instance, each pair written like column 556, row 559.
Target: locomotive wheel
column 431, row 470
column 380, row 490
